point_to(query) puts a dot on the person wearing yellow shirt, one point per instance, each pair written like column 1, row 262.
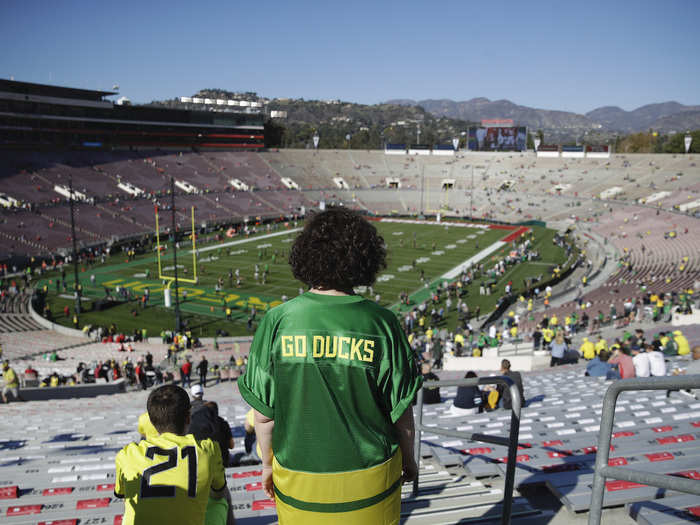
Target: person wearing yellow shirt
column 170, row 477
column 514, row 332
column 682, row 342
column 145, row 427
column 602, row 344
column 554, row 320
column 587, row 349
column 547, row 335
column 11, row 383
column 568, row 323
column 429, row 333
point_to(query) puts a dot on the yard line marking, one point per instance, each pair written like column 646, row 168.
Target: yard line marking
column 454, row 272
column 252, row 239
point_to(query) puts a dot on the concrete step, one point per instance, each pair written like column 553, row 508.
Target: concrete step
column 487, row 513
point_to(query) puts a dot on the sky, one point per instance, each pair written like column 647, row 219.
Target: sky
column 571, row 56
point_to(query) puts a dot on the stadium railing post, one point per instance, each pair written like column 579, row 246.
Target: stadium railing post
column 511, row 441
column 416, row 446
column 603, row 470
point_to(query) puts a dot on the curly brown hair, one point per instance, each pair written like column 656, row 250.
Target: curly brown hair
column 338, row 249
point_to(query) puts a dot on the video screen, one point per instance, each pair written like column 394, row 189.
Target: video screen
column 497, row 139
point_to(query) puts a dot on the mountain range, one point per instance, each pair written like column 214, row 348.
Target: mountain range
column 663, row 117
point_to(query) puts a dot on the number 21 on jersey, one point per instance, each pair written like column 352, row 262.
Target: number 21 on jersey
column 168, row 491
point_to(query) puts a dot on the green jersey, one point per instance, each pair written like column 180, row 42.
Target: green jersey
column 335, row 373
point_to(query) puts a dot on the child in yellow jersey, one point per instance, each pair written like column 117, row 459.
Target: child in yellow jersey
column 169, row 477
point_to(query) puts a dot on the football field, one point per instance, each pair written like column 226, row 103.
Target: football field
column 421, row 255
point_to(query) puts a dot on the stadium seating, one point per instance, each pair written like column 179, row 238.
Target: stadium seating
column 63, row 467
column 509, row 187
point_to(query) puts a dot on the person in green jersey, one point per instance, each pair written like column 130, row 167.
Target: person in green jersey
column 169, row 477
column 331, row 378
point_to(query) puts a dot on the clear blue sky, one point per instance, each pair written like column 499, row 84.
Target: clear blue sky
column 572, row 56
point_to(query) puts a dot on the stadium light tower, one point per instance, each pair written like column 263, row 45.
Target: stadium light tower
column 76, row 285
column 471, row 206
column 178, row 318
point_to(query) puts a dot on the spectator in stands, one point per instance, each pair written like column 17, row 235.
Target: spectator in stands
column 587, row 349
column 558, row 348
column 503, row 392
column 431, row 395
column 537, row 337
column 185, row 372
column 363, row 382
column 600, row 367
column 602, row 344
column 205, row 423
column 681, row 343
column 11, row 381
column 197, row 397
column 657, row 361
column 640, row 359
column 163, row 502
column 203, row 368
column 469, row 399
column 625, row 364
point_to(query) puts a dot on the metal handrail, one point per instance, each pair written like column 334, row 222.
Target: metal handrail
column 511, row 441
column 603, row 470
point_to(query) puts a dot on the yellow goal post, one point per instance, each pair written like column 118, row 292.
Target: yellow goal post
column 169, row 278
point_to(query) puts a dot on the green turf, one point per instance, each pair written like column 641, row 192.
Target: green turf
column 438, row 248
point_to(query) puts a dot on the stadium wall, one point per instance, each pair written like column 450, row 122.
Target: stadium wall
column 69, row 392
column 53, row 326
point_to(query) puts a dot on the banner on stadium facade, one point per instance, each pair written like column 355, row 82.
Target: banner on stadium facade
column 418, row 149
column 548, row 150
column 597, row 149
column 443, row 149
column 395, row 149
column 455, row 143
column 538, row 141
column 572, row 151
column 497, row 139
column 688, row 142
